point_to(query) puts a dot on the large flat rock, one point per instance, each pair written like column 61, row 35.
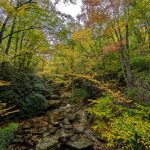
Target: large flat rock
column 47, row 144
column 81, row 144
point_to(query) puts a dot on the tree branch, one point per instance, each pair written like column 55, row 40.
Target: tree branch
column 31, row 28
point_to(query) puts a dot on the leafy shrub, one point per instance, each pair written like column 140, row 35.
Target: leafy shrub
column 140, row 63
column 40, row 88
column 120, row 124
column 79, row 93
column 140, row 90
column 85, row 89
column 34, row 104
column 22, row 85
column 6, row 135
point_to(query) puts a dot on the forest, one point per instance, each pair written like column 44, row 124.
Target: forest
column 75, row 83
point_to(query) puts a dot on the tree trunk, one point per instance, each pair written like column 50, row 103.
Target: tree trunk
column 127, row 61
column 10, row 36
column 3, row 29
column 127, row 55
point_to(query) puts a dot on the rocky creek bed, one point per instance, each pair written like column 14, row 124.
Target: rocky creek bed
column 64, row 127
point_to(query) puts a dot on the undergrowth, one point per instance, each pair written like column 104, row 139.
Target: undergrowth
column 122, row 125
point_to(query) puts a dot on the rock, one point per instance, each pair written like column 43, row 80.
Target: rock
column 68, row 105
column 50, row 126
column 55, row 96
column 29, row 143
column 72, row 117
column 46, row 134
column 68, row 127
column 54, row 103
column 66, row 122
column 55, row 124
column 20, row 141
column 21, row 131
column 75, row 137
column 83, row 117
column 80, row 144
column 90, row 135
column 27, row 136
column 27, row 125
column 47, row 144
column 65, row 135
column 66, row 95
column 79, row 128
column 52, row 129
column 35, row 138
column 60, row 118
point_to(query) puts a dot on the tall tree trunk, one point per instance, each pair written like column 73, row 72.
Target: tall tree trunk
column 127, row 61
column 9, row 42
column 3, row 29
column 127, row 55
column 10, row 36
column 16, row 48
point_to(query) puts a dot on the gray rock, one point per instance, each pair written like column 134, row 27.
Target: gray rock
column 50, row 126
column 75, row 137
column 79, row 128
column 66, row 122
column 46, row 134
column 65, row 135
column 68, row 105
column 91, row 135
column 27, row 136
column 72, row 117
column 80, row 144
column 55, row 124
column 53, row 130
column 54, row 96
column 47, row 144
column 67, row 127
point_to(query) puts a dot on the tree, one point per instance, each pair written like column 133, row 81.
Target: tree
column 112, row 17
column 18, row 44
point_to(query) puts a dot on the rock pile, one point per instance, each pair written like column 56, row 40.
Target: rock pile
column 62, row 128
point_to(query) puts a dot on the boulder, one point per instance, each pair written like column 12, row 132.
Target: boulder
column 79, row 128
column 52, row 129
column 68, row 127
column 72, row 117
column 80, row 144
column 48, row 143
column 55, row 96
column 75, row 137
column 46, row 134
column 66, row 122
column 65, row 135
column 91, row 135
